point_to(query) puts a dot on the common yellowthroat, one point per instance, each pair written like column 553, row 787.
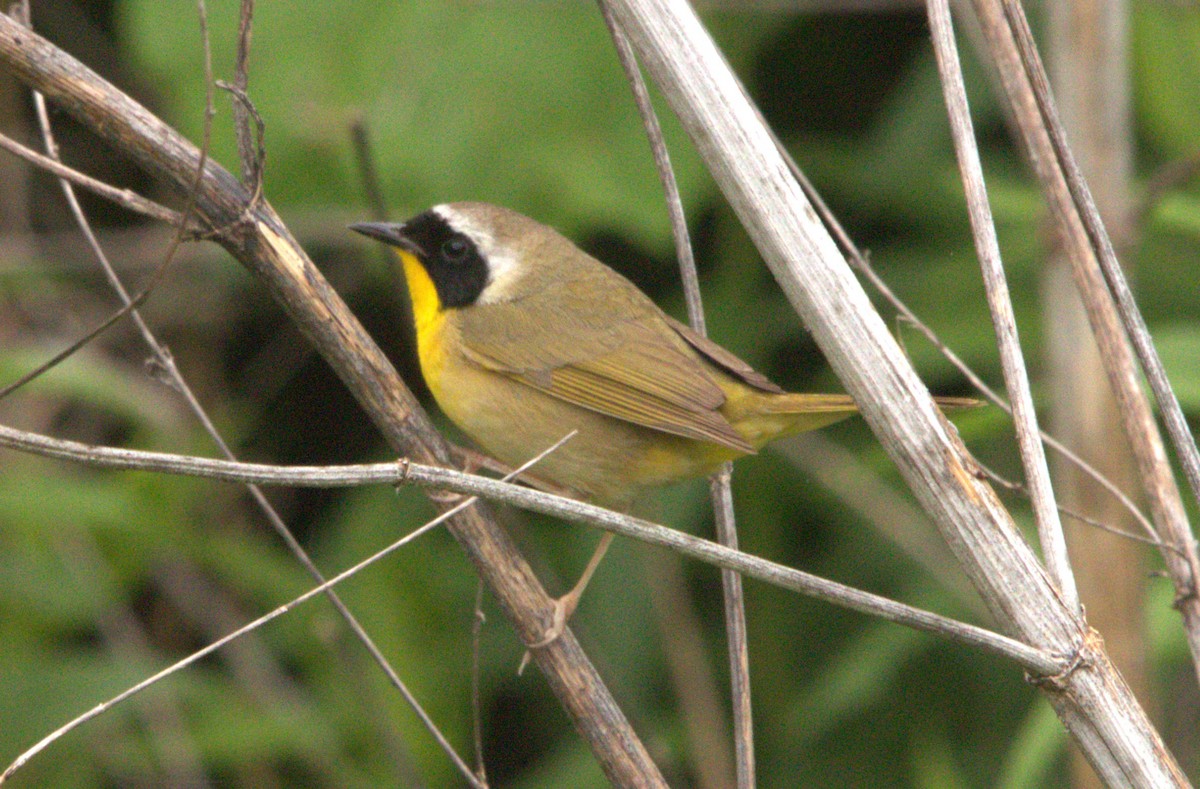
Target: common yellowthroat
column 523, row 337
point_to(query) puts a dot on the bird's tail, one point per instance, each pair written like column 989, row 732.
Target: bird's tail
column 775, row 416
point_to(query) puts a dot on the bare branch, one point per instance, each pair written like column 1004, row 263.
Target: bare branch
column 166, row 362
column 721, row 481
column 1035, row 660
column 122, row 197
column 250, row 146
column 987, row 247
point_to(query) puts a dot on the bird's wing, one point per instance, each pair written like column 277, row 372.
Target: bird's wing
column 722, row 358
column 617, row 357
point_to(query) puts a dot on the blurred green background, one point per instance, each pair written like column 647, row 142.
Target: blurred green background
column 106, row 577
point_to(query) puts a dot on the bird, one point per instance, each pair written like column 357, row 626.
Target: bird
column 524, row 338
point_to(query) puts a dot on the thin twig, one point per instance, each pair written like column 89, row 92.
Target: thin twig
column 250, row 154
column 572, row 510
column 87, row 338
column 477, row 622
column 1017, row 487
column 360, row 139
column 257, row 154
column 987, row 247
column 126, row 198
column 736, row 630
column 720, row 483
column 364, row 156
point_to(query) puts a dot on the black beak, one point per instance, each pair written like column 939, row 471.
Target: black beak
column 388, row 233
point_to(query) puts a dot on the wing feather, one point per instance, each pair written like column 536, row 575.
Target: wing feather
column 723, row 358
column 620, row 357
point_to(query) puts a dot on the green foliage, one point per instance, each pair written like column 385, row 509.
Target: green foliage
column 519, row 104
column 1167, row 62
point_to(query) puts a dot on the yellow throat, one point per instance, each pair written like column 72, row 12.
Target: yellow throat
column 428, row 317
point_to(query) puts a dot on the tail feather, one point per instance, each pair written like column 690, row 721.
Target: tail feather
column 957, row 403
column 765, row 417
column 773, row 416
column 805, row 403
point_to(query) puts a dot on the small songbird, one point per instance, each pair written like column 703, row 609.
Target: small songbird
column 523, row 338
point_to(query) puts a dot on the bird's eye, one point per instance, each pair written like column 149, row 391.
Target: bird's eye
column 455, row 250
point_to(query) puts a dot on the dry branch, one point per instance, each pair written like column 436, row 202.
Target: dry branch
column 436, row 477
column 166, row 362
column 987, row 247
column 721, row 482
